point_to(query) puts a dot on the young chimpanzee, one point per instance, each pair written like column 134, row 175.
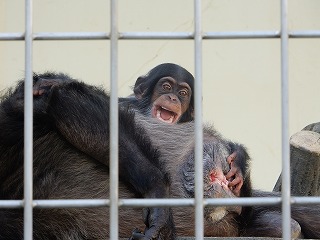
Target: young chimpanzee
column 71, row 145
column 166, row 93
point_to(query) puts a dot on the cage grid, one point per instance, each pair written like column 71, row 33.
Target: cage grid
column 28, row 203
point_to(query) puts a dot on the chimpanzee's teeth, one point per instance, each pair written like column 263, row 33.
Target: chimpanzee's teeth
column 158, row 114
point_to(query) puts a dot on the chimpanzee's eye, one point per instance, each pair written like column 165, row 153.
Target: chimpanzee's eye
column 183, row 92
column 166, row 86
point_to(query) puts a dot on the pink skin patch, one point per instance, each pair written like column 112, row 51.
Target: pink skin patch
column 219, row 178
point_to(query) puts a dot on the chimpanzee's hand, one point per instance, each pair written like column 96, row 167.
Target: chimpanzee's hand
column 234, row 176
column 158, row 223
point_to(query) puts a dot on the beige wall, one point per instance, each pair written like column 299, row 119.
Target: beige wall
column 241, row 78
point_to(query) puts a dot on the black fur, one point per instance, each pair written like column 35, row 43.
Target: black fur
column 71, row 160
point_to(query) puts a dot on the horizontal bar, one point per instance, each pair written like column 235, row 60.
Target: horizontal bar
column 57, row 36
column 160, row 202
column 174, row 202
column 245, row 201
column 241, row 35
column 11, row 36
column 68, row 203
column 158, row 35
column 11, row 203
column 305, row 200
column 304, row 34
column 71, row 36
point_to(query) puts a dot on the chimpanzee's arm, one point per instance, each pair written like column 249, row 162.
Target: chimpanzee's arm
column 81, row 114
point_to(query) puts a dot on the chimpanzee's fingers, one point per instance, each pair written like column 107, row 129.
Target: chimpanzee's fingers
column 236, row 181
column 231, row 158
column 42, row 86
column 236, row 185
column 231, row 173
column 236, row 192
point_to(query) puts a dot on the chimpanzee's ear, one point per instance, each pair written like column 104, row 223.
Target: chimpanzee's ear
column 140, row 87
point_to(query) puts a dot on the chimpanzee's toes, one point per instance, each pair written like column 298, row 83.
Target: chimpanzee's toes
column 159, row 224
column 42, row 86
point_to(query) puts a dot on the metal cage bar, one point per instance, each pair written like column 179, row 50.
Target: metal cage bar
column 286, row 207
column 114, row 125
column 28, row 203
column 245, row 201
column 28, row 125
column 199, row 226
column 44, row 36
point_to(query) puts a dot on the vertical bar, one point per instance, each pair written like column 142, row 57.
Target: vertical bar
column 28, row 124
column 286, row 207
column 198, row 123
column 114, row 126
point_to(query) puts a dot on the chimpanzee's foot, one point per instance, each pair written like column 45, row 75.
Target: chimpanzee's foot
column 43, row 85
column 136, row 235
column 159, row 225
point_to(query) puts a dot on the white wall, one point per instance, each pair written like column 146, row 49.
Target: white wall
column 241, row 78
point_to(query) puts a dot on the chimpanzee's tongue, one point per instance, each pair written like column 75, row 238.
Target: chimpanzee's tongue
column 165, row 114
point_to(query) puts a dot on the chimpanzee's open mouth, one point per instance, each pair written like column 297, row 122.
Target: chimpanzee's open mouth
column 164, row 114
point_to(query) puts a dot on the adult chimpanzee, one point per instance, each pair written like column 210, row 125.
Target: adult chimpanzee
column 166, row 93
column 71, row 161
